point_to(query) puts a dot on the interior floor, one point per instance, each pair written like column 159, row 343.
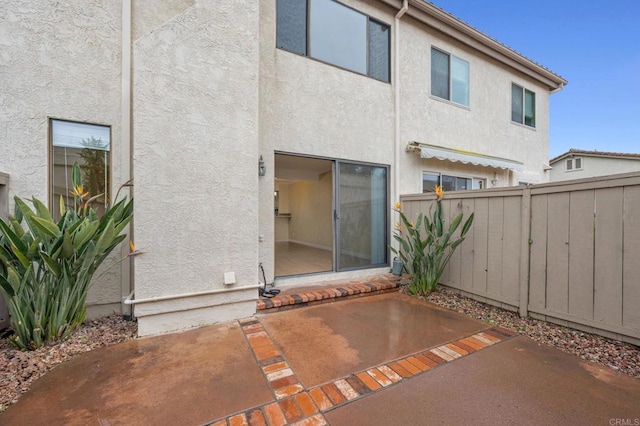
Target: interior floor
column 295, row 259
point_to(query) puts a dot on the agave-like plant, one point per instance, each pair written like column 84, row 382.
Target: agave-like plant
column 46, row 268
column 427, row 246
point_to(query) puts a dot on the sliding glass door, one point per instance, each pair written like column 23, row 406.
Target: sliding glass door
column 361, row 216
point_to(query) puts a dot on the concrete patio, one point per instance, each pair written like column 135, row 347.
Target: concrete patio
column 387, row 359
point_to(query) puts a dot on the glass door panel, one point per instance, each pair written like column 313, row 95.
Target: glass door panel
column 361, row 216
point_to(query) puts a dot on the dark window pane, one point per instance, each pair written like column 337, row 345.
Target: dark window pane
column 379, row 51
column 578, row 163
column 292, row 25
column 439, row 74
column 338, row 35
column 462, row 184
column 516, row 103
column 429, row 182
column 529, row 108
column 448, row 183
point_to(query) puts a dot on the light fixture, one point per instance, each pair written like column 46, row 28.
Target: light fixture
column 262, row 169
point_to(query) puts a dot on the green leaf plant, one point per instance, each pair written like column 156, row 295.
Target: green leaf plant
column 46, row 267
column 426, row 246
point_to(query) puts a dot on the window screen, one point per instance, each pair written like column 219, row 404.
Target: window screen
column 291, row 32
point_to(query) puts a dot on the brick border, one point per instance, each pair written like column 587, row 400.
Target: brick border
column 295, row 405
column 378, row 285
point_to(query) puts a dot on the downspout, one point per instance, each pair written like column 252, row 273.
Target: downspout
column 126, row 163
column 396, row 102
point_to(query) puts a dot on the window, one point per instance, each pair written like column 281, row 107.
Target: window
column 574, row 164
column 89, row 145
column 449, row 77
column 523, row 106
column 449, row 183
column 331, row 32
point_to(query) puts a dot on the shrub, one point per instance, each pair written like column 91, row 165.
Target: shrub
column 46, row 268
column 427, row 246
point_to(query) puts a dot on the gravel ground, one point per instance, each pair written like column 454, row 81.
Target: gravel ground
column 616, row 355
column 19, row 369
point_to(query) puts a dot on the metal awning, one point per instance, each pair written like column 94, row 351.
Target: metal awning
column 465, row 157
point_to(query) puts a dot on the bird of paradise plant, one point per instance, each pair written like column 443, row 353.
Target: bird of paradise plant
column 426, row 246
column 46, row 269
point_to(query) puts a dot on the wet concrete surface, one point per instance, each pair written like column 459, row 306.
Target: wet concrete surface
column 198, row 376
column 326, row 342
column 514, row 382
column 185, row 378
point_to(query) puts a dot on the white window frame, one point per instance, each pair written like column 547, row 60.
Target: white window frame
column 450, row 98
column 571, row 164
column 524, row 107
column 473, row 179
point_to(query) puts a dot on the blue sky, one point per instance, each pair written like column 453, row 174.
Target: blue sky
column 593, row 44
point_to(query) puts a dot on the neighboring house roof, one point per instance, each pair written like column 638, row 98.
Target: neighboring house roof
column 582, row 153
column 448, row 24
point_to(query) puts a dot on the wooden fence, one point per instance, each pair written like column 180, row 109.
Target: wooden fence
column 566, row 252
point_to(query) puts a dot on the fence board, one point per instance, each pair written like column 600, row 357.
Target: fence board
column 631, row 260
column 511, row 248
column 480, row 239
column 608, row 256
column 536, row 248
column 455, row 269
column 466, row 249
column 538, row 267
column 581, row 254
column 494, row 246
column 446, row 277
column 558, row 255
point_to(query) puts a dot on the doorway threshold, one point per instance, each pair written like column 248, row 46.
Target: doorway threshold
column 330, row 291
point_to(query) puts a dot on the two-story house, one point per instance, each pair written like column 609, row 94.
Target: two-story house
column 274, row 132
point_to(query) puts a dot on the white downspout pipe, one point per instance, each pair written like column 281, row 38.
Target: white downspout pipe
column 396, row 104
column 126, row 162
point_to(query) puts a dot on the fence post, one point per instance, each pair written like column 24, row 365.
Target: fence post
column 525, row 248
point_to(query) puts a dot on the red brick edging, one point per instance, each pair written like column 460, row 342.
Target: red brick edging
column 293, row 404
column 377, row 285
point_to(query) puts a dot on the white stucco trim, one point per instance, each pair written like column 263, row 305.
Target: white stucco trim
column 465, row 157
column 185, row 295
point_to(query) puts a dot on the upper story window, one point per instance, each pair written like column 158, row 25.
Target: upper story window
column 331, row 32
column 90, row 146
column 523, row 106
column 449, row 77
column 574, row 164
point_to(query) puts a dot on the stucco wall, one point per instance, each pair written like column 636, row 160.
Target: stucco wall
column 593, row 166
column 314, row 108
column 196, row 159
column 58, row 60
column 484, row 127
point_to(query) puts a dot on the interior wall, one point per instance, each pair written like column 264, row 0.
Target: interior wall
column 311, row 208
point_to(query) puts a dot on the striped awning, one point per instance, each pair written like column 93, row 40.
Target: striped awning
column 464, row 157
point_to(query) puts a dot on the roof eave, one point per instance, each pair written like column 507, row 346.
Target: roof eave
column 448, row 24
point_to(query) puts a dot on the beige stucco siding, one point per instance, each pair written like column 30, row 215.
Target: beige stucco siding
column 593, row 166
column 313, row 108
column 58, row 60
column 196, row 161
column 484, row 126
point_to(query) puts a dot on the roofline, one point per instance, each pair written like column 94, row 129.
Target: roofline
column 583, row 153
column 448, row 24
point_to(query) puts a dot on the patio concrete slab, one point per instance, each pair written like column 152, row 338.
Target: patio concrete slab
column 185, row 378
column 326, row 342
column 514, row 382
